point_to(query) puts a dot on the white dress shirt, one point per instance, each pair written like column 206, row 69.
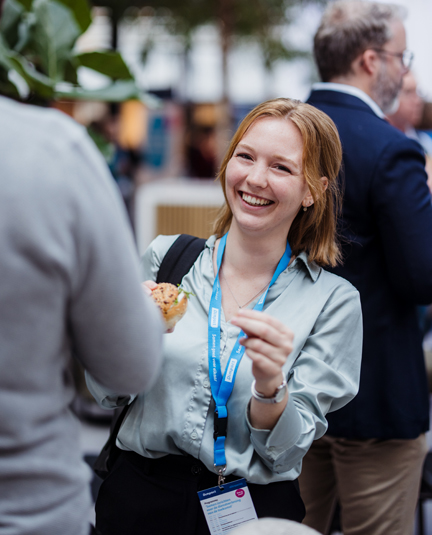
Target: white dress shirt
column 350, row 90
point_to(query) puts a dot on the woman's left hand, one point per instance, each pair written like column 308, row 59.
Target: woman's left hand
column 268, row 344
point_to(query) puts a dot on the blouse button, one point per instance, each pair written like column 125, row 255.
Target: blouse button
column 195, row 469
column 206, row 383
column 193, row 435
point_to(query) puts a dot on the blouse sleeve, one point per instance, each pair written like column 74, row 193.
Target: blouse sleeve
column 150, row 263
column 153, row 256
column 105, row 397
column 324, row 377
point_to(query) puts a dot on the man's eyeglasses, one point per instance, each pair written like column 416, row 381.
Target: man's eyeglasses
column 406, row 56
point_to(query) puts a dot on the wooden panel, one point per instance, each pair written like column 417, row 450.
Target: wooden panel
column 194, row 220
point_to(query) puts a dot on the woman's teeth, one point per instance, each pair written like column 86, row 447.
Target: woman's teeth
column 254, row 201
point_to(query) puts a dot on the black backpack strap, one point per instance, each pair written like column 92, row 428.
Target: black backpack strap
column 179, row 258
column 109, row 453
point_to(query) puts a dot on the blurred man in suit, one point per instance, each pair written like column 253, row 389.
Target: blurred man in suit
column 371, row 458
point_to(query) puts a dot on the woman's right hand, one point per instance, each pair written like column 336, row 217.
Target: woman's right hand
column 148, row 287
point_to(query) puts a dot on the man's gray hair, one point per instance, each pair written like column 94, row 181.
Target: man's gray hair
column 347, row 29
column 275, row 526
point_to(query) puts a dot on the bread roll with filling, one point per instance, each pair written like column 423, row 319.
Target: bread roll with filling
column 172, row 302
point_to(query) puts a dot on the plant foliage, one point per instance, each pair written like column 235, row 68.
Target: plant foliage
column 237, row 20
column 38, row 52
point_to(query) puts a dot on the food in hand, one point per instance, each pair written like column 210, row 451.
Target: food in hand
column 172, row 302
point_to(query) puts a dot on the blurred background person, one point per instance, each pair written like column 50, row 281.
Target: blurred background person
column 409, row 115
column 123, row 162
column 69, row 285
column 201, row 152
column 372, row 456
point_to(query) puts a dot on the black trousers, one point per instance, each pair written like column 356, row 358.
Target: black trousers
column 159, row 496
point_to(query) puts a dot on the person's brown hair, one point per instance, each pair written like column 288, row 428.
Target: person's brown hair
column 313, row 231
column 348, row 28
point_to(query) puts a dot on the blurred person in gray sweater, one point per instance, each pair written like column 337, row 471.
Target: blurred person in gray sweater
column 69, row 285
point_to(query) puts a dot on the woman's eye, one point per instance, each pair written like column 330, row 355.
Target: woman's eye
column 283, row 168
column 244, row 156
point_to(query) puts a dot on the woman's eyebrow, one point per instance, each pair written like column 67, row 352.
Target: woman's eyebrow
column 243, row 145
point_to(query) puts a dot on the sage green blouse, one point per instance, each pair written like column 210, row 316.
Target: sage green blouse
column 176, row 415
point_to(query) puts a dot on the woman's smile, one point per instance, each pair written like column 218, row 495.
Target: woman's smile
column 253, row 200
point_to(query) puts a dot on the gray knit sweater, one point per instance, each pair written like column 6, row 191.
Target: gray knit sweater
column 69, row 279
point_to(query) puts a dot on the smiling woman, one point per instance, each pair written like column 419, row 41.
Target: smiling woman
column 259, row 358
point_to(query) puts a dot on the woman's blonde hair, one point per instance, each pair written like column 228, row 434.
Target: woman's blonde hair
column 313, row 231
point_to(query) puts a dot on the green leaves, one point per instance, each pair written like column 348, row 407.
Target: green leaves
column 274, row 50
column 10, row 20
column 25, row 3
column 109, row 63
column 37, row 43
column 6, row 86
column 239, row 21
column 81, row 12
column 54, row 36
column 36, row 81
column 116, row 92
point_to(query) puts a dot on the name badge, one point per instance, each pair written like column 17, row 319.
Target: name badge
column 227, row 508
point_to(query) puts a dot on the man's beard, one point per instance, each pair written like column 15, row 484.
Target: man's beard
column 385, row 91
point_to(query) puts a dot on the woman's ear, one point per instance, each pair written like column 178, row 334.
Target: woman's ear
column 308, row 200
column 324, row 182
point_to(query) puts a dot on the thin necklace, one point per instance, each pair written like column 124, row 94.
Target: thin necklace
column 234, row 297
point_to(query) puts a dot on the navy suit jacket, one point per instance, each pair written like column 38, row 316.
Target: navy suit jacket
column 386, row 230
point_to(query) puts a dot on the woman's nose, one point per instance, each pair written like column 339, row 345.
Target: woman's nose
column 257, row 175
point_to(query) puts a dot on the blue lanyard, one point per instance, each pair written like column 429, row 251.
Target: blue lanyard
column 222, row 387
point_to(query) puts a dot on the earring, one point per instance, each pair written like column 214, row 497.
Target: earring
column 304, row 208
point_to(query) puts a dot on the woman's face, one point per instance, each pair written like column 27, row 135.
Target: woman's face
column 265, row 185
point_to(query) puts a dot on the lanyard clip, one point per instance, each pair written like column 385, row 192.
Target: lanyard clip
column 220, row 423
column 221, row 475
